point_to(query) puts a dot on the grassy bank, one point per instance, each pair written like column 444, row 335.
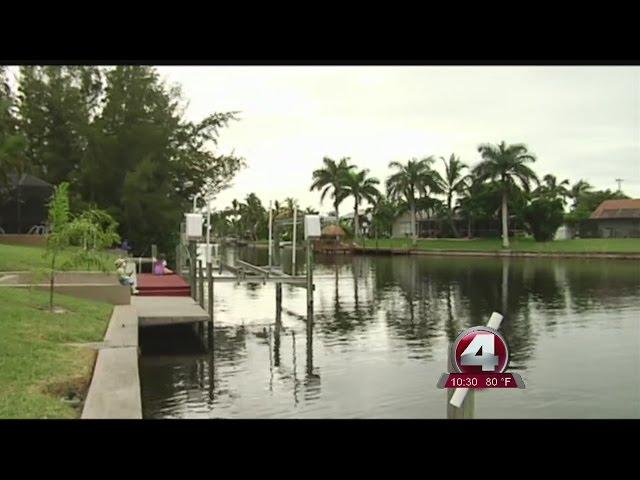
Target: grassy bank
column 584, row 245
column 40, row 376
column 16, row 258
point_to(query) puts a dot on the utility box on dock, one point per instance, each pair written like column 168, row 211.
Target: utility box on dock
column 312, row 226
column 193, row 223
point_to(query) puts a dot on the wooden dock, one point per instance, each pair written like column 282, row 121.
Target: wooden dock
column 168, row 285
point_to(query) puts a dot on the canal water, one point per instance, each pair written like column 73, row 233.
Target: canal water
column 382, row 326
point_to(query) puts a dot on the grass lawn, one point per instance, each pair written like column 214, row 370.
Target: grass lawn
column 584, row 245
column 16, row 257
column 38, row 373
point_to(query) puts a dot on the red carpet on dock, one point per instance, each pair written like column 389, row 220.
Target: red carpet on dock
column 170, row 285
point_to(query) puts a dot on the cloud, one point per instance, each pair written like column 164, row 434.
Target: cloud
column 582, row 122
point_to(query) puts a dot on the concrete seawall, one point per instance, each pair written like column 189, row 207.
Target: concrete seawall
column 475, row 253
column 114, row 392
column 24, row 240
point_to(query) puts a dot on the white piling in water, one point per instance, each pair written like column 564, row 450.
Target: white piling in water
column 460, row 394
column 270, row 233
column 293, row 249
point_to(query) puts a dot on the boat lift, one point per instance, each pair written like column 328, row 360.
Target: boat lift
column 243, row 271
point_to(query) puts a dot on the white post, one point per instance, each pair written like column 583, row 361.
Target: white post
column 293, row 251
column 457, row 399
column 195, row 200
column 270, row 228
column 208, row 254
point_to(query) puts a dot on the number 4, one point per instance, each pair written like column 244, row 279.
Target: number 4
column 487, row 360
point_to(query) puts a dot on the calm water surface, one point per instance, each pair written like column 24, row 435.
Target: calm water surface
column 381, row 332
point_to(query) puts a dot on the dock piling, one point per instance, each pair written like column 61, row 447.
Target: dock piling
column 200, row 284
column 278, row 327
column 309, row 270
column 210, row 304
column 192, row 270
column 293, row 246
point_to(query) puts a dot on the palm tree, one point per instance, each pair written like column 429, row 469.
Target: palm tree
column 467, row 202
column 290, row 204
column 551, row 188
column 236, row 212
column 277, row 208
column 220, row 224
column 331, row 178
column 310, row 211
column 383, row 213
column 507, row 165
column 578, row 189
column 254, row 214
column 361, row 187
column 453, row 182
column 413, row 179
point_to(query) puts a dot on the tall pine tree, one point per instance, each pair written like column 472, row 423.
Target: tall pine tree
column 144, row 162
column 57, row 104
column 118, row 136
column 13, row 145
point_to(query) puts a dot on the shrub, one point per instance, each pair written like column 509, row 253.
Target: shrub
column 543, row 217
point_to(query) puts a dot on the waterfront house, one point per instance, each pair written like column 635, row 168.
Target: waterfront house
column 616, row 218
column 438, row 227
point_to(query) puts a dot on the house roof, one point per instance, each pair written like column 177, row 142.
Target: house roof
column 26, row 180
column 627, row 208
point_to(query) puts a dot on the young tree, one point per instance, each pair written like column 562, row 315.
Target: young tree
column 506, row 165
column 95, row 226
column 413, row 180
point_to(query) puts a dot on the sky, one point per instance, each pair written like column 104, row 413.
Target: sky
column 580, row 122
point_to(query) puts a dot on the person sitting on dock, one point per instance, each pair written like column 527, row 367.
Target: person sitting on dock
column 123, row 277
column 160, row 266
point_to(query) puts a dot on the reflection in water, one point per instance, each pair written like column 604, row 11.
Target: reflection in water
column 381, row 329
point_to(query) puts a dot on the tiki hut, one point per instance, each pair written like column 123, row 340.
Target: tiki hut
column 330, row 242
column 334, row 231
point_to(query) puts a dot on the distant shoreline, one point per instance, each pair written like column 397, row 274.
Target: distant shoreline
column 481, row 249
column 506, row 253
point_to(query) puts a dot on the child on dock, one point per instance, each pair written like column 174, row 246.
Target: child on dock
column 123, row 277
column 160, row 266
